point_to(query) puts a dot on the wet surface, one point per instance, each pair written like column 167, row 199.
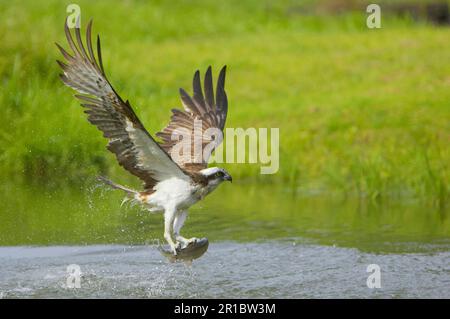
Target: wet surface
column 265, row 241
column 273, row 269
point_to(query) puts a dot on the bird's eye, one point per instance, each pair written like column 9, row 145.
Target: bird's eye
column 219, row 174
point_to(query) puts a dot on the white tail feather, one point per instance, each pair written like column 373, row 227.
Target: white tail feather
column 131, row 193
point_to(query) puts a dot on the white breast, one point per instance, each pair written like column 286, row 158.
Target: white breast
column 173, row 192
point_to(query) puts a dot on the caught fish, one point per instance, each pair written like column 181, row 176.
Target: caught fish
column 187, row 254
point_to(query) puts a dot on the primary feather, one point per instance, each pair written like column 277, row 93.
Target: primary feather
column 211, row 112
column 133, row 146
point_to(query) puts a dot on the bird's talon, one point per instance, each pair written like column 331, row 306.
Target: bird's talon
column 182, row 243
column 174, row 248
column 192, row 240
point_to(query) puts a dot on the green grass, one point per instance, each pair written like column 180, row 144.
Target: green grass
column 359, row 111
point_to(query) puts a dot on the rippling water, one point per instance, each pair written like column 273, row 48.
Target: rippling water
column 265, row 241
column 278, row 269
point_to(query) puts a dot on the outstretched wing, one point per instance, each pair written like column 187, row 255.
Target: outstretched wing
column 133, row 146
column 201, row 112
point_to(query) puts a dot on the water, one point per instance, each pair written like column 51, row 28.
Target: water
column 286, row 269
column 265, row 241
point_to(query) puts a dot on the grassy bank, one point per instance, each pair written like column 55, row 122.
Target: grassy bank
column 359, row 111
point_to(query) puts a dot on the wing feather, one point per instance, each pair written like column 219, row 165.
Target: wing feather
column 209, row 91
column 134, row 147
column 201, row 106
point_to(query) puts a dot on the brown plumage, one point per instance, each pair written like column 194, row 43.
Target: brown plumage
column 211, row 111
column 134, row 148
column 171, row 184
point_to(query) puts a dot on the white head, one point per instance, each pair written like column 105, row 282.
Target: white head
column 216, row 175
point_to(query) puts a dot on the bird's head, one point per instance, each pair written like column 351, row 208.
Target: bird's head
column 216, row 175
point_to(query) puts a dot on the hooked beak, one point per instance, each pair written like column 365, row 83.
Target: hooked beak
column 228, row 178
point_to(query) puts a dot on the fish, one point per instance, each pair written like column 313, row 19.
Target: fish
column 186, row 254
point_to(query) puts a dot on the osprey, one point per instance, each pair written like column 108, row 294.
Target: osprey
column 171, row 184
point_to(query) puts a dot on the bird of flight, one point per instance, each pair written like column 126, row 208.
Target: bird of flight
column 171, row 184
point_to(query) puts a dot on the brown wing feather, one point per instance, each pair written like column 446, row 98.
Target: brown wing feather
column 133, row 146
column 201, row 106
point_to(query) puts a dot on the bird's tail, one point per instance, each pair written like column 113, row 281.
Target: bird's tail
column 131, row 193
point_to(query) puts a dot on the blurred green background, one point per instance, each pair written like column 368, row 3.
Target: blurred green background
column 363, row 114
column 360, row 111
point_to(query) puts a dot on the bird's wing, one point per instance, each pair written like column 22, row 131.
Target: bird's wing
column 210, row 110
column 134, row 147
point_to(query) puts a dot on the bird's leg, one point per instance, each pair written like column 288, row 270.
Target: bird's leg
column 177, row 224
column 169, row 216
